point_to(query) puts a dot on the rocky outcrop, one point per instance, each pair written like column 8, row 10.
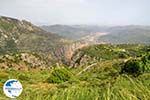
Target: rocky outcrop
column 66, row 53
column 22, row 61
column 81, row 59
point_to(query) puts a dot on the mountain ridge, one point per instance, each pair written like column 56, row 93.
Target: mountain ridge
column 115, row 34
column 23, row 35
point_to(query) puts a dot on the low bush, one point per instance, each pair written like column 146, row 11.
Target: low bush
column 146, row 63
column 133, row 67
column 60, row 75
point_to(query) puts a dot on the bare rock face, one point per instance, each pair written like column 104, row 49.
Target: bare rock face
column 70, row 49
column 81, row 59
column 65, row 53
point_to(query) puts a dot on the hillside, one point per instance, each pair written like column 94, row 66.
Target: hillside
column 24, row 61
column 113, row 34
column 16, row 35
column 99, row 72
column 103, row 52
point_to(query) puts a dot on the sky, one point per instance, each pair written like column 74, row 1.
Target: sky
column 91, row 12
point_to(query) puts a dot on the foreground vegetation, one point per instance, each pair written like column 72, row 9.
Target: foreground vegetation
column 91, row 85
column 126, row 77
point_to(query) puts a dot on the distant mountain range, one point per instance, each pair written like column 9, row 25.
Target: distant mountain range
column 74, row 32
column 16, row 35
column 113, row 34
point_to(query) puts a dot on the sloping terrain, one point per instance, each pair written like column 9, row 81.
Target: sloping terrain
column 102, row 52
column 23, row 61
column 103, row 72
column 16, row 35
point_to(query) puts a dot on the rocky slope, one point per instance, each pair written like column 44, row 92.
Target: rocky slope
column 65, row 53
column 16, row 35
column 21, row 42
column 23, row 61
column 21, row 39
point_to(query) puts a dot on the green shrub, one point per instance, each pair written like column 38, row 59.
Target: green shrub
column 60, row 75
column 146, row 62
column 6, row 25
column 137, row 66
column 123, row 55
column 133, row 67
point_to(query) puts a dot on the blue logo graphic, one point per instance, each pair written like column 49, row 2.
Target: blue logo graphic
column 12, row 88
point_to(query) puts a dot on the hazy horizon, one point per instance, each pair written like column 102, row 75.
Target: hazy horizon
column 76, row 12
